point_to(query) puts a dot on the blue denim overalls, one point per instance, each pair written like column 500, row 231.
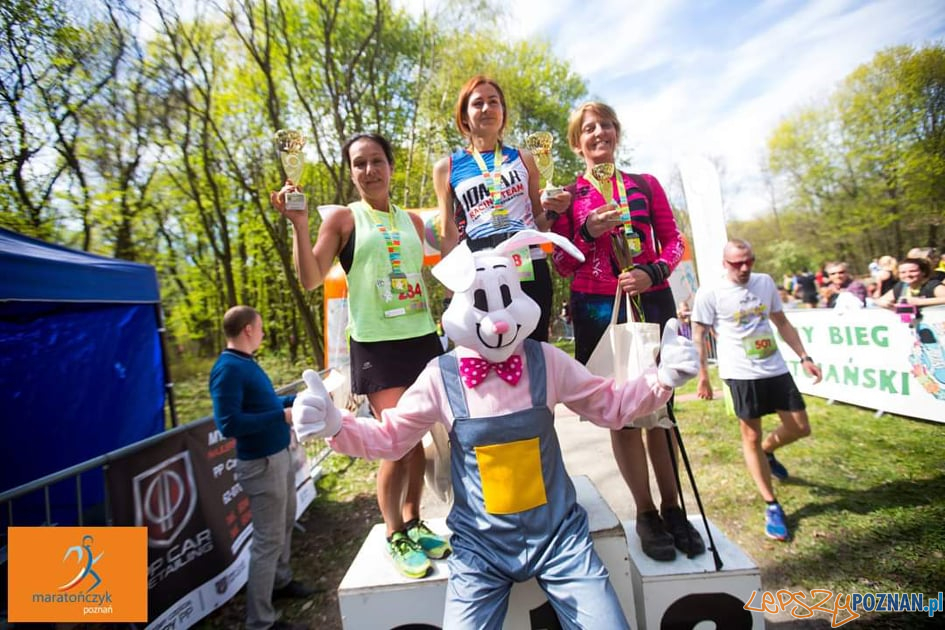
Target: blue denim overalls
column 515, row 515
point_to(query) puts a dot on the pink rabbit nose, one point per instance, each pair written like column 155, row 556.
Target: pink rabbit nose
column 500, row 327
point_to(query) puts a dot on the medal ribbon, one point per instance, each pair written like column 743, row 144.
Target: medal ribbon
column 391, row 236
column 493, row 179
column 622, row 203
column 629, row 234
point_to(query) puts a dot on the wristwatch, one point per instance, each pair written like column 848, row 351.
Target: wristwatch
column 806, row 359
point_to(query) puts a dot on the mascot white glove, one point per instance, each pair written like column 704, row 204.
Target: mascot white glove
column 679, row 359
column 313, row 413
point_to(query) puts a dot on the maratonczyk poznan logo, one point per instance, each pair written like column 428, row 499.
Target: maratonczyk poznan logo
column 84, row 558
column 77, row 574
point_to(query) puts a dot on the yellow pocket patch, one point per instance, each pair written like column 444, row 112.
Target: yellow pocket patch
column 511, row 476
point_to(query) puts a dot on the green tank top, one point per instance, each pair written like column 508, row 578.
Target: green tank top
column 382, row 307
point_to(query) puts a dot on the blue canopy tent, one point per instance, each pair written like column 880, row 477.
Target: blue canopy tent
column 82, row 368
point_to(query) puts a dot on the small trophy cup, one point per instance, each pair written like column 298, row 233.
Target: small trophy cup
column 290, row 143
column 539, row 144
column 602, row 174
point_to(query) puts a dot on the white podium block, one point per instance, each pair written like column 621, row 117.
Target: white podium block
column 374, row 596
column 683, row 593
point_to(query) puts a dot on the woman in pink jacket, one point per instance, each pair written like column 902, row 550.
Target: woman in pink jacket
column 594, row 133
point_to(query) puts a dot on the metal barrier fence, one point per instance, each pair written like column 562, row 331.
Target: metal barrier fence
column 96, row 464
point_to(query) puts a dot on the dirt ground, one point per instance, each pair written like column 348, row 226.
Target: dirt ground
column 321, row 555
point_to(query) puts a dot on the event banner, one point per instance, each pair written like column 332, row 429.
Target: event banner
column 874, row 358
column 183, row 490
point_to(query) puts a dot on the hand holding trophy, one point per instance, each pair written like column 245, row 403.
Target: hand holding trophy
column 539, row 144
column 626, row 244
column 289, row 142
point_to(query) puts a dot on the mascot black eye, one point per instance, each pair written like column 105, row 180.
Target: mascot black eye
column 479, row 300
column 506, row 295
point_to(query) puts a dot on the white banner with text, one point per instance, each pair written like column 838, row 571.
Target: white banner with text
column 874, row 358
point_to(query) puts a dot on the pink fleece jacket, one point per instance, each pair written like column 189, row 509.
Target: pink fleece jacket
column 425, row 403
column 595, row 275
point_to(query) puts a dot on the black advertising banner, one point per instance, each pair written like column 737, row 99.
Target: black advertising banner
column 198, row 519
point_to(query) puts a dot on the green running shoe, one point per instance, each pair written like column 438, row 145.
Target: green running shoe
column 408, row 556
column 433, row 545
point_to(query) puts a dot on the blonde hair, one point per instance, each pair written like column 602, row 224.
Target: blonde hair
column 890, row 264
column 576, row 120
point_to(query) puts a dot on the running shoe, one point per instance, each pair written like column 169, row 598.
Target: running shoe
column 778, row 471
column 407, row 555
column 433, row 545
column 775, row 523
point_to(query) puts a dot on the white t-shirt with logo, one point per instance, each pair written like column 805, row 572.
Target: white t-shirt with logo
column 746, row 344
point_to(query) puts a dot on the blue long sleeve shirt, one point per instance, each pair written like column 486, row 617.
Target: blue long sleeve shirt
column 246, row 406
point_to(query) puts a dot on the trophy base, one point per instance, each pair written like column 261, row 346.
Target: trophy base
column 295, row 201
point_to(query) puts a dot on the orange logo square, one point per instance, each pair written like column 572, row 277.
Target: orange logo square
column 78, row 574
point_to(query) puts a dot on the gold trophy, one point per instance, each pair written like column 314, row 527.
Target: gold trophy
column 290, row 143
column 602, row 174
column 539, row 144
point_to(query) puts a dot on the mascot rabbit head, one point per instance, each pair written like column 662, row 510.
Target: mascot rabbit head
column 489, row 312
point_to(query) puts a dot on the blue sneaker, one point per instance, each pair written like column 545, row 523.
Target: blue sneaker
column 775, row 524
column 778, row 471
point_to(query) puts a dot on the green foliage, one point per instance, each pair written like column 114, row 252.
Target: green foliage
column 863, row 173
column 162, row 149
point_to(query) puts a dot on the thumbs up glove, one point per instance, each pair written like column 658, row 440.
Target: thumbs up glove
column 313, row 413
column 679, row 359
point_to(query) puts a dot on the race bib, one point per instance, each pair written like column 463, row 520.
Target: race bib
column 402, row 294
column 523, row 264
column 759, row 346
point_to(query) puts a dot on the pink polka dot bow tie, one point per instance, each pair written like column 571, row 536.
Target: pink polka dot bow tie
column 474, row 370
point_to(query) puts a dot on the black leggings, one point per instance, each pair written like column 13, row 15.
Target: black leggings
column 540, row 290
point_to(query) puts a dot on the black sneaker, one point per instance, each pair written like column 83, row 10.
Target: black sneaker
column 293, row 590
column 685, row 536
column 657, row 543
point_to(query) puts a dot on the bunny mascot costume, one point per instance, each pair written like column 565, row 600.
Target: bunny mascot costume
column 514, row 514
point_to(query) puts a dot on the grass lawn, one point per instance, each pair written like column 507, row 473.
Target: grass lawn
column 865, row 502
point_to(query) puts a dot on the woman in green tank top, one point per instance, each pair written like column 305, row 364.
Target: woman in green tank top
column 392, row 335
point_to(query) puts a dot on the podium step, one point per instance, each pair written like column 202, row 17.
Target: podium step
column 685, row 592
column 374, row 596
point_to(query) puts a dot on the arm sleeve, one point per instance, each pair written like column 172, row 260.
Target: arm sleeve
column 600, row 399
column 564, row 263
column 399, row 429
column 703, row 308
column 664, row 226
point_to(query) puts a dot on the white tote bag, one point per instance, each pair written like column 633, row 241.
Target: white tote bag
column 625, row 351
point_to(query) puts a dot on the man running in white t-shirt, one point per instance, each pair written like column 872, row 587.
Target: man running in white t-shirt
column 741, row 309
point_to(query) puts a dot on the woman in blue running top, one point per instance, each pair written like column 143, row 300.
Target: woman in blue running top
column 485, row 201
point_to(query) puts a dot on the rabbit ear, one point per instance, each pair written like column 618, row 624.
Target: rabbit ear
column 526, row 237
column 456, row 270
